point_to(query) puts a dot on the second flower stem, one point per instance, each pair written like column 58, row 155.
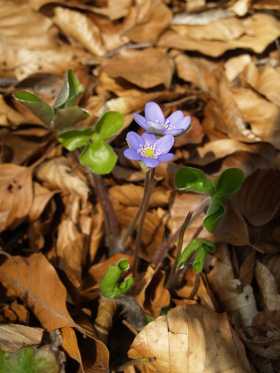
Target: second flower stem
column 149, row 180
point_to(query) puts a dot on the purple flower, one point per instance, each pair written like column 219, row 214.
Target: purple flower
column 176, row 124
column 148, row 149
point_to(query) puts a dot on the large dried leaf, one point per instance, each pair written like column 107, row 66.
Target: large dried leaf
column 260, row 31
column 259, row 198
column 228, row 288
column 191, row 339
column 57, row 174
column 70, row 344
column 155, row 67
column 14, row 336
column 16, row 194
column 262, row 115
column 41, row 198
column 81, row 28
column 36, row 282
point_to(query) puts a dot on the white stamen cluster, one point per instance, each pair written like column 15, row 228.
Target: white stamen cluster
column 165, row 125
column 149, row 150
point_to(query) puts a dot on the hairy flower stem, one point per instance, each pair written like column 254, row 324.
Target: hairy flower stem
column 188, row 220
column 146, row 197
column 135, row 219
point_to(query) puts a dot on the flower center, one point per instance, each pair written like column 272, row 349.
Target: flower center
column 166, row 125
column 149, row 151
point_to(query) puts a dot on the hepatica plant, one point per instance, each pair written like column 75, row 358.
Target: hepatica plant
column 150, row 149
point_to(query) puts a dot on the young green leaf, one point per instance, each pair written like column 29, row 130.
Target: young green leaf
column 192, row 179
column 66, row 118
column 69, row 92
column 229, row 182
column 99, row 156
column 74, row 139
column 37, row 106
column 214, row 214
column 109, row 284
column 199, row 260
column 109, row 124
column 192, row 247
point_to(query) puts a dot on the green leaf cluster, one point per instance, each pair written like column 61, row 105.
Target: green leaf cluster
column 62, row 114
column 97, row 154
column 28, row 360
column 110, row 285
column 228, row 183
column 202, row 246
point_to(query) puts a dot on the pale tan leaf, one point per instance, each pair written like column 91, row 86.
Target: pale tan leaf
column 69, row 247
column 155, row 67
column 36, row 282
column 235, row 65
column 228, row 288
column 41, row 198
column 81, row 28
column 150, row 18
column 268, row 288
column 57, row 174
column 16, row 194
column 191, row 339
column 266, row 81
column 14, row 336
column 104, row 319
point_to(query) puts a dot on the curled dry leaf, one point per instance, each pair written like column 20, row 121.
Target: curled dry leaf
column 260, row 114
column 35, row 281
column 266, row 82
column 41, row 198
column 268, row 287
column 81, row 28
column 191, row 339
column 16, row 194
column 259, row 198
column 155, row 67
column 148, row 20
column 104, row 319
column 57, row 174
column 260, row 30
column 15, row 336
column 228, row 288
column 153, row 296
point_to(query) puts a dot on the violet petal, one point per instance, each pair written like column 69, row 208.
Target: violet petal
column 175, row 117
column 150, row 162
column 165, row 143
column 134, row 140
column 153, row 112
column 165, row 157
column 139, row 119
column 132, row 154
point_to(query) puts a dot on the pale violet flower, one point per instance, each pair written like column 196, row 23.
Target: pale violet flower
column 149, row 149
column 154, row 121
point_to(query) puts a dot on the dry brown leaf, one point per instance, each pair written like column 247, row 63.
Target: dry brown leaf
column 81, row 28
column 268, row 287
column 41, row 198
column 36, row 282
column 260, row 31
column 20, row 25
column 69, row 248
column 57, row 173
column 155, row 67
column 235, row 65
column 259, row 198
column 228, row 288
column 14, row 336
column 104, row 319
column 149, row 18
column 16, row 194
column 70, row 345
column 262, row 115
column 191, row 339
column 153, row 296
column 272, row 262
column 266, row 82
column 8, row 115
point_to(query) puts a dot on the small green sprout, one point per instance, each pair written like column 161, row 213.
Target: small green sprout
column 110, row 287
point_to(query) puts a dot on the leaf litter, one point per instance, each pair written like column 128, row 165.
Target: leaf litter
column 218, row 63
